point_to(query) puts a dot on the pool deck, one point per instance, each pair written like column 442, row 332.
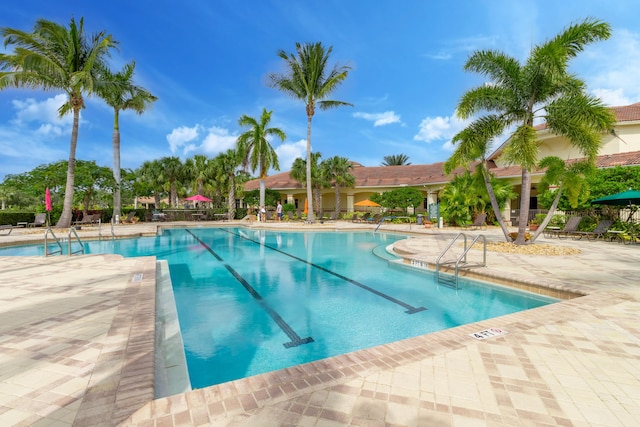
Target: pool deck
column 77, row 348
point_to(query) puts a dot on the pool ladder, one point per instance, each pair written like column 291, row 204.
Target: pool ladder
column 72, row 230
column 452, row 280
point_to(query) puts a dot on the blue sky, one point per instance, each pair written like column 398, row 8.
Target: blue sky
column 207, row 62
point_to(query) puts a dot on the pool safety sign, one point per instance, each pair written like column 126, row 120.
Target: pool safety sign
column 488, row 333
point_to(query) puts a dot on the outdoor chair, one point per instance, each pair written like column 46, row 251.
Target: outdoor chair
column 39, row 221
column 8, row 229
column 364, row 217
column 480, row 223
column 601, row 229
column 570, row 228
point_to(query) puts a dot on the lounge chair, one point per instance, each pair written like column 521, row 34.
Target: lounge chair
column 480, row 223
column 601, row 229
column 570, row 228
column 365, row 217
column 39, row 221
column 8, row 228
column 88, row 219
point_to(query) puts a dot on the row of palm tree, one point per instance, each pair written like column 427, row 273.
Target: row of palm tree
column 55, row 57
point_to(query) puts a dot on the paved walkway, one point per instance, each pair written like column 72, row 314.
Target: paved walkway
column 76, row 348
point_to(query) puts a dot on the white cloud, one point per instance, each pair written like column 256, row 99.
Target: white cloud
column 438, row 128
column 180, row 136
column 379, row 119
column 46, row 112
column 218, row 140
column 613, row 98
column 288, row 152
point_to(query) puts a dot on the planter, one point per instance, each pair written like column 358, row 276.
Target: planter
column 533, row 227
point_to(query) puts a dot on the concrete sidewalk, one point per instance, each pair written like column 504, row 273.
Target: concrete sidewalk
column 77, row 349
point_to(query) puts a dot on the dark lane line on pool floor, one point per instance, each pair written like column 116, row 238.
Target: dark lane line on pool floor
column 293, row 336
column 410, row 309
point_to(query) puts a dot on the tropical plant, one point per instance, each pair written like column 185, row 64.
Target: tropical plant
column 337, row 170
column 517, row 95
column 396, row 160
column 149, row 181
column 120, row 93
column 299, row 171
column 171, row 175
column 254, row 146
column 567, row 179
column 252, row 198
column 197, row 169
column 227, row 165
column 308, row 79
column 402, row 198
column 53, row 57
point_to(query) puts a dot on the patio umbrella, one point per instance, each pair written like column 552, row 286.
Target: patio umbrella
column 198, row 198
column 306, row 207
column 47, row 204
column 626, row 198
column 366, row 204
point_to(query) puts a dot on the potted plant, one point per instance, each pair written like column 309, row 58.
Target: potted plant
column 535, row 222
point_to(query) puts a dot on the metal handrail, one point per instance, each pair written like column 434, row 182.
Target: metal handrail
column 449, row 247
column 463, row 257
column 464, row 254
column 72, row 230
column 46, row 243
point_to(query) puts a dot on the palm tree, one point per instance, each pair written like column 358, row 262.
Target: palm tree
column 171, row 174
column 119, row 92
column 197, row 169
column 396, row 160
column 337, row 169
column 541, row 88
column 54, row 57
column 318, row 181
column 227, row 167
column 255, row 148
column 149, row 180
column 308, row 79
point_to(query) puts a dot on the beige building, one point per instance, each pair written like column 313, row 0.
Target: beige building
column 621, row 149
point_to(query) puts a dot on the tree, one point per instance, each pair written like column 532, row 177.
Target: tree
column 337, row 169
column 517, row 95
column 299, row 171
column 396, row 160
column 197, row 169
column 308, row 79
column 227, row 166
column 54, row 57
column 172, row 172
column 254, row 146
column 401, row 198
column 150, row 181
column 120, row 93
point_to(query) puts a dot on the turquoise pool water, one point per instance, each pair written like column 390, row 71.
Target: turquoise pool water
column 252, row 301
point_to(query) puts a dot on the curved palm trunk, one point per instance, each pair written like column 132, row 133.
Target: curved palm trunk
column 65, row 217
column 547, row 218
column 337, row 201
column 310, row 217
column 494, row 203
column 523, row 219
column 115, row 140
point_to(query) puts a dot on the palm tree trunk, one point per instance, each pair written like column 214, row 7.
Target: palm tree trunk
column 232, row 199
column 116, row 167
column 337, row 201
column 525, row 194
column 547, row 218
column 262, row 191
column 65, row 218
column 494, row 202
column 310, row 216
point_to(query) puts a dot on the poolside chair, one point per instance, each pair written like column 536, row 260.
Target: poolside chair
column 569, row 229
column 8, row 228
column 601, row 229
column 365, row 217
column 480, row 223
column 39, row 221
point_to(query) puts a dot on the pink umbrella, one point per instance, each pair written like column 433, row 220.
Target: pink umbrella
column 198, row 198
column 47, row 199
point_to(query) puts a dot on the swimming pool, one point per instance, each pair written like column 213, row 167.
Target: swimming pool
column 252, row 301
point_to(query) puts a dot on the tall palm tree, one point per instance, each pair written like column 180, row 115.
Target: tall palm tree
column 541, row 88
column 396, row 160
column 308, row 79
column 149, row 180
column 227, row 165
column 337, row 169
column 54, row 57
column 197, row 169
column 120, row 93
column 318, row 181
column 171, row 175
column 255, row 148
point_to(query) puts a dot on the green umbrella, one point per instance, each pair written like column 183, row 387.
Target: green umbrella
column 626, row 198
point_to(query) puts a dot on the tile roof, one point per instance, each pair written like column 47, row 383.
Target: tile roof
column 416, row 175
